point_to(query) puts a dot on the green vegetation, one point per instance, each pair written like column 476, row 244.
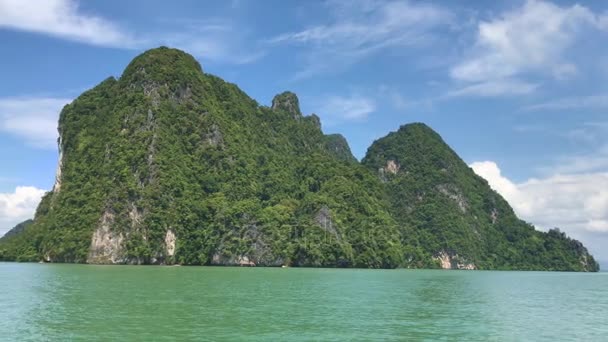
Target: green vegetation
column 171, row 165
column 443, row 205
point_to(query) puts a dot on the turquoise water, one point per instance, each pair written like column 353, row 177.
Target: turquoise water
column 102, row 303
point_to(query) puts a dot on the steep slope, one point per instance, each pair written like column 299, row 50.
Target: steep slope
column 453, row 214
column 168, row 164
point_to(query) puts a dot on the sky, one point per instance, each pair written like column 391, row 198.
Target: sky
column 517, row 88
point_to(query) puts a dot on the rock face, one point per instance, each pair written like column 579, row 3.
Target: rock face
column 392, row 167
column 170, row 165
column 106, row 245
column 452, row 262
column 57, row 185
column 170, row 243
column 288, row 102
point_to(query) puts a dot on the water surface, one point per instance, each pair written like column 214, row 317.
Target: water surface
column 101, row 303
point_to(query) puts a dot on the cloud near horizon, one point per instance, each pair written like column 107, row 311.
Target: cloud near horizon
column 576, row 203
column 18, row 206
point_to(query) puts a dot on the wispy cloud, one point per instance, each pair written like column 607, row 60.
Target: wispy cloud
column 525, row 42
column 392, row 95
column 335, row 109
column 63, row 19
column 595, row 161
column 34, row 119
column 214, row 40
column 495, row 88
column 592, row 137
column 580, row 102
column 361, row 28
column 589, row 139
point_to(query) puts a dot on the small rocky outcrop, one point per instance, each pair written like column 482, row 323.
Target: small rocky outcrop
column 214, row 136
column 391, row 168
column 454, row 194
column 240, row 260
column 288, row 102
column 451, row 261
column 314, row 119
column 170, row 243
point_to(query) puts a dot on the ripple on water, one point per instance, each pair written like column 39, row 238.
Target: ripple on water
column 80, row 302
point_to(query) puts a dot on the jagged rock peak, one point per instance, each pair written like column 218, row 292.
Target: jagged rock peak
column 314, row 118
column 288, row 102
column 161, row 65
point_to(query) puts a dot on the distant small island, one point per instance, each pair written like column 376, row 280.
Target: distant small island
column 171, row 165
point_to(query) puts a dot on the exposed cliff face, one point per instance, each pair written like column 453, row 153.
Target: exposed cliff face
column 168, row 164
column 449, row 261
column 170, row 243
column 106, row 245
column 57, row 185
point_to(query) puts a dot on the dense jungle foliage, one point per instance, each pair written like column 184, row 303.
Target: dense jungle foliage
column 168, row 164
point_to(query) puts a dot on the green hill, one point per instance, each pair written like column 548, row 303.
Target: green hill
column 168, row 164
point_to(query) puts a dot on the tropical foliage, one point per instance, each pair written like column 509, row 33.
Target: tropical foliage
column 169, row 148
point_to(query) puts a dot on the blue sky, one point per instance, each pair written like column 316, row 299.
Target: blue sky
column 517, row 88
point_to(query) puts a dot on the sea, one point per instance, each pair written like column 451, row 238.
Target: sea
column 65, row 302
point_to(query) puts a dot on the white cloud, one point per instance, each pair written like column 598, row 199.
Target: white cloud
column 18, row 206
column 213, row 40
column 495, row 88
column 350, row 108
column 394, row 96
column 361, row 28
column 63, row 19
column 33, row 119
column 576, row 203
column 590, row 139
column 599, row 101
column 527, row 41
